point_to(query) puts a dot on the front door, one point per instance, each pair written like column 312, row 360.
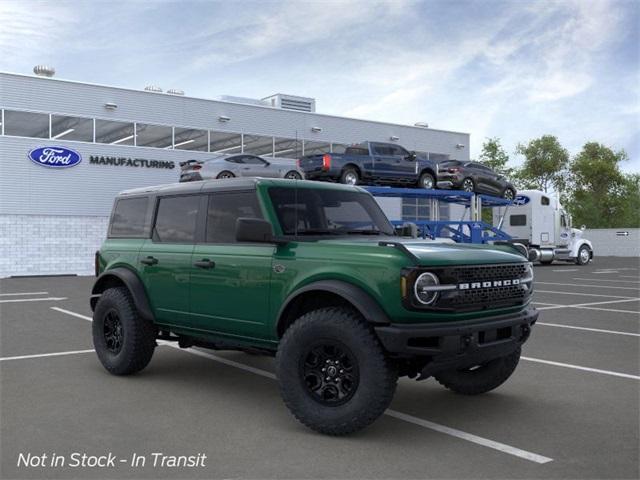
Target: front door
column 253, row 166
column 165, row 259
column 230, row 281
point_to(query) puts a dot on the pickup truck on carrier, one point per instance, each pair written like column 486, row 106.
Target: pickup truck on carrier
column 372, row 162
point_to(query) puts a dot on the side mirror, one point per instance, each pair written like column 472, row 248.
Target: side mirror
column 254, row 230
column 412, row 156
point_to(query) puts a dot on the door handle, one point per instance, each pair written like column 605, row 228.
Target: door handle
column 204, row 263
column 149, row 260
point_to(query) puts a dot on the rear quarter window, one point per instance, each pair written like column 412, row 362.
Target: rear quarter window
column 129, row 216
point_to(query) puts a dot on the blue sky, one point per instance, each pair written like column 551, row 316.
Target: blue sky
column 515, row 69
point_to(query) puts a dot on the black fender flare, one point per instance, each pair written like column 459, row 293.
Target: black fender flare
column 431, row 171
column 356, row 296
column 132, row 282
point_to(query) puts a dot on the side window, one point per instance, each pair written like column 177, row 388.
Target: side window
column 129, row 217
column 224, row 209
column 176, row 219
column 518, row 220
column 379, row 149
column 235, row 159
column 544, row 201
column 563, row 220
column 251, row 160
column 399, row 151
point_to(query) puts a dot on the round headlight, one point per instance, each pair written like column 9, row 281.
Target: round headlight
column 424, row 294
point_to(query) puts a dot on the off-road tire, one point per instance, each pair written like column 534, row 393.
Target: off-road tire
column 225, row 174
column 424, row 178
column 138, row 338
column 481, row 380
column 579, row 258
column 377, row 375
column 348, row 173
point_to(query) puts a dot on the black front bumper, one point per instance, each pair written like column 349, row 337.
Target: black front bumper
column 452, row 345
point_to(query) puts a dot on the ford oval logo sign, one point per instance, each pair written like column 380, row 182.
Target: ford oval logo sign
column 55, row 157
column 521, row 200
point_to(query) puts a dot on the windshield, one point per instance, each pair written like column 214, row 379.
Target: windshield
column 309, row 211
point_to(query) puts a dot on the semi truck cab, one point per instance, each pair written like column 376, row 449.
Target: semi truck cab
column 538, row 220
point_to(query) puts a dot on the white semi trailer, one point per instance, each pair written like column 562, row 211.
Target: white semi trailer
column 538, row 221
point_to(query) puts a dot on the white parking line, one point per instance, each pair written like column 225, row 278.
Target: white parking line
column 606, row 280
column 583, row 294
column 598, row 330
column 610, row 310
column 585, row 305
column 567, row 270
column 588, row 286
column 23, row 293
column 578, row 367
column 533, row 457
column 48, row 299
column 41, row 355
column 73, row 314
column 628, row 276
column 605, row 272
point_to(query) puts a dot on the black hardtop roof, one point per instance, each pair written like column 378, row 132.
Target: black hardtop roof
column 229, row 184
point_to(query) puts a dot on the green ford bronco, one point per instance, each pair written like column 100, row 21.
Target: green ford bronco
column 314, row 274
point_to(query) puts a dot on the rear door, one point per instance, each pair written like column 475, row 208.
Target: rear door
column 165, row 259
column 383, row 160
column 403, row 167
column 230, row 281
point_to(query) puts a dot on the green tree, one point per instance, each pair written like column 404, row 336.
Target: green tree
column 545, row 164
column 494, row 156
column 600, row 195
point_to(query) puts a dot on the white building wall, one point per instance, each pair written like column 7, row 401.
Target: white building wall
column 612, row 241
column 50, row 245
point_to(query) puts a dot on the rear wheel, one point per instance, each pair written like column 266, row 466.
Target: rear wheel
column 584, row 255
column 427, row 181
column 225, row 174
column 509, row 194
column 333, row 374
column 480, row 378
column 468, row 185
column 123, row 340
column 349, row 176
column 293, row 175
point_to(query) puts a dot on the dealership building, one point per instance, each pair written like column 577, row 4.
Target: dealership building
column 53, row 219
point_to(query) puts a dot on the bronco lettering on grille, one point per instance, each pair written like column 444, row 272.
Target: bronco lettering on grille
column 488, row 284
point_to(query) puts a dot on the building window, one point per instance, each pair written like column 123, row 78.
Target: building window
column 438, row 157
column 415, row 209
column 71, row 128
column 157, row 136
column 315, row 148
column 114, row 133
column 287, row 148
column 26, row 124
column 190, row 139
column 258, row 145
column 225, row 142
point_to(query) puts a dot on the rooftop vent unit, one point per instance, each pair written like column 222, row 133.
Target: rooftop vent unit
column 44, row 71
column 421, row 124
column 291, row 102
column 153, row 88
column 175, row 91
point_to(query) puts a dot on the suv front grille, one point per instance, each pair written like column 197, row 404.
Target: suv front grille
column 476, row 296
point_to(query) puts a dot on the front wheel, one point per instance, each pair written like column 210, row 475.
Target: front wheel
column 468, row 185
column 333, row 374
column 584, row 255
column 123, row 340
column 480, row 378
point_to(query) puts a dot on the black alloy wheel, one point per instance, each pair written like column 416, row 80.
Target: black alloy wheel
column 225, row 174
column 293, row 175
column 113, row 332
column 330, row 373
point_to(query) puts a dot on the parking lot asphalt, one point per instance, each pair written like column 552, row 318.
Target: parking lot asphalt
column 570, row 410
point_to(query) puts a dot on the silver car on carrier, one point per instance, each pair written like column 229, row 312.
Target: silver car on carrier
column 240, row 165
